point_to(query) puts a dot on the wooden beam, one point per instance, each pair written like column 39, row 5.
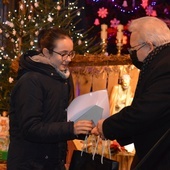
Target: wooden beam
column 100, row 60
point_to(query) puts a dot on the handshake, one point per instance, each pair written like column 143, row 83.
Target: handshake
column 88, row 127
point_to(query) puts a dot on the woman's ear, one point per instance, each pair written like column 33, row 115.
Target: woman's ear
column 46, row 52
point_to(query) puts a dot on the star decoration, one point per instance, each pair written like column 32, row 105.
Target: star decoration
column 102, row 12
column 114, row 22
column 150, row 11
column 166, row 11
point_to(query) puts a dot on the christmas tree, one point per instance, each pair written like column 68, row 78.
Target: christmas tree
column 19, row 33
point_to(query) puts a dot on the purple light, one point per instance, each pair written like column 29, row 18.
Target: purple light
column 153, row 3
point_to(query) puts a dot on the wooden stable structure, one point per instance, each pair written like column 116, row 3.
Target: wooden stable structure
column 98, row 72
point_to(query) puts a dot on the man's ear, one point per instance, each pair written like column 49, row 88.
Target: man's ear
column 151, row 46
column 46, row 53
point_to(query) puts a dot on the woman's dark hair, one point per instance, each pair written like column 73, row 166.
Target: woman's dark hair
column 47, row 37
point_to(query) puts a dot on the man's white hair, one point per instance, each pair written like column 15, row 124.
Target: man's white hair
column 151, row 29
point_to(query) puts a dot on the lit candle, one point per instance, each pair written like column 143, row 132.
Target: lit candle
column 103, row 31
column 119, row 38
column 120, row 27
column 119, row 35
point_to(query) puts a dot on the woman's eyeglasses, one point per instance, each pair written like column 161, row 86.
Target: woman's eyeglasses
column 65, row 55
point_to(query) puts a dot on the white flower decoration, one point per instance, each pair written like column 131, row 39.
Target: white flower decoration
column 21, row 7
column 50, row 19
column 10, row 79
column 36, row 33
column 29, row 17
column 58, row 7
column 79, row 42
column 7, row 35
column 36, row 4
column 5, row 57
column 22, row 22
column 32, row 43
column 10, row 24
column 14, row 32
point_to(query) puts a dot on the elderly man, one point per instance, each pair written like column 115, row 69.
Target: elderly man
column 146, row 121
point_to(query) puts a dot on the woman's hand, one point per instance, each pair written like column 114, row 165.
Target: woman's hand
column 83, row 127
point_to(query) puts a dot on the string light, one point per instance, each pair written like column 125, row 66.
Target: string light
column 129, row 10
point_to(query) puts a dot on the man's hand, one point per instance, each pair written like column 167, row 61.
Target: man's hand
column 98, row 130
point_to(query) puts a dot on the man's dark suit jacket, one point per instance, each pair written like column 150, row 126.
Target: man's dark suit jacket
column 148, row 117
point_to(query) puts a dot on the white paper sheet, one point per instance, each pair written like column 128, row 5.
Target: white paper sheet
column 130, row 147
column 81, row 105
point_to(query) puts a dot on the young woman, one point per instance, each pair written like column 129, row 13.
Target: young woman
column 38, row 118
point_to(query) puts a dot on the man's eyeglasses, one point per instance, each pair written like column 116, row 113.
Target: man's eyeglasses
column 65, row 55
column 130, row 50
